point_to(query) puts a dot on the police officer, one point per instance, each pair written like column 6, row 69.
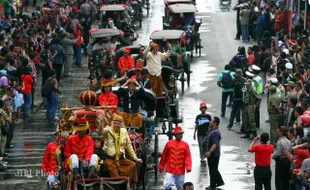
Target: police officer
column 248, row 75
column 274, row 113
column 251, row 100
column 258, row 86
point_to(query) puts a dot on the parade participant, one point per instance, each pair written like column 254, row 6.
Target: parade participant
column 154, row 60
column 251, row 99
column 138, row 69
column 141, row 56
column 126, row 62
column 80, row 147
column 144, row 80
column 176, row 158
column 212, row 149
column 49, row 164
column 274, row 114
column 282, row 162
column 108, row 98
column 116, row 144
column 238, row 85
column 131, row 102
column 262, row 171
column 202, row 126
column 224, row 80
column 258, row 86
column 100, row 153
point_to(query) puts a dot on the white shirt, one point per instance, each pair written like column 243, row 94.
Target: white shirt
column 154, row 61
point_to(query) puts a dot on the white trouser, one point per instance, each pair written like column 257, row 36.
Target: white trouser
column 52, row 179
column 172, row 180
column 73, row 161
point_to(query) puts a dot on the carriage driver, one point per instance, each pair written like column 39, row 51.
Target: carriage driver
column 131, row 103
column 80, row 147
column 116, row 144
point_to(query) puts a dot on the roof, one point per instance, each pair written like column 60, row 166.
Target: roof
column 178, row 1
column 118, row 7
column 182, row 8
column 167, row 34
column 101, row 33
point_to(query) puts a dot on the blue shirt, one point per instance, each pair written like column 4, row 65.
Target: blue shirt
column 59, row 58
column 213, row 137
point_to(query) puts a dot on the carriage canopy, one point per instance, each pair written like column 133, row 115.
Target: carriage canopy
column 103, row 33
column 167, row 35
column 118, row 7
column 182, row 8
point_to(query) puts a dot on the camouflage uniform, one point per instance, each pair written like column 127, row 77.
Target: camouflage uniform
column 251, row 99
column 274, row 116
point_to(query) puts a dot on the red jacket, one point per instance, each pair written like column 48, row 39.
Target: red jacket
column 126, row 63
column 49, row 164
column 176, row 157
column 110, row 99
column 83, row 148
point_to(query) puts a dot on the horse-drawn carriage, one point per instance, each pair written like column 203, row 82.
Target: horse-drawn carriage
column 118, row 16
column 101, row 52
column 182, row 16
column 99, row 118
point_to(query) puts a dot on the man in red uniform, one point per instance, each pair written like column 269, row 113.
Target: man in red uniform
column 126, row 62
column 80, row 147
column 176, row 157
column 108, row 98
column 49, row 164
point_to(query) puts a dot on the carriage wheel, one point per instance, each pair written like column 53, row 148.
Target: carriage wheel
column 188, row 77
column 148, row 7
column 164, row 127
column 182, row 82
column 156, row 157
column 199, row 44
column 170, row 129
column 140, row 20
column 144, row 174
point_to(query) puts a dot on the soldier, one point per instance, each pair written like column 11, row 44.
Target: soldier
column 251, row 100
column 274, row 113
column 258, row 86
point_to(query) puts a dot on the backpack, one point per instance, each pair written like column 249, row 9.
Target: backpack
column 227, row 80
column 238, row 86
column 47, row 88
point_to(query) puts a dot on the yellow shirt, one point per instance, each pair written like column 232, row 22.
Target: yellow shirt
column 109, row 146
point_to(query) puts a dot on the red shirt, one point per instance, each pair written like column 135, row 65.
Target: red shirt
column 109, row 99
column 78, row 34
column 176, row 157
column 301, row 155
column 49, row 164
column 251, row 59
column 27, row 83
column 126, row 63
column 262, row 154
column 83, row 148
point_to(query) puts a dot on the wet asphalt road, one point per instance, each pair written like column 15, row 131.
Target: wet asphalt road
column 217, row 33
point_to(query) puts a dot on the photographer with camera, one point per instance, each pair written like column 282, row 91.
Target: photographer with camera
column 262, row 171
